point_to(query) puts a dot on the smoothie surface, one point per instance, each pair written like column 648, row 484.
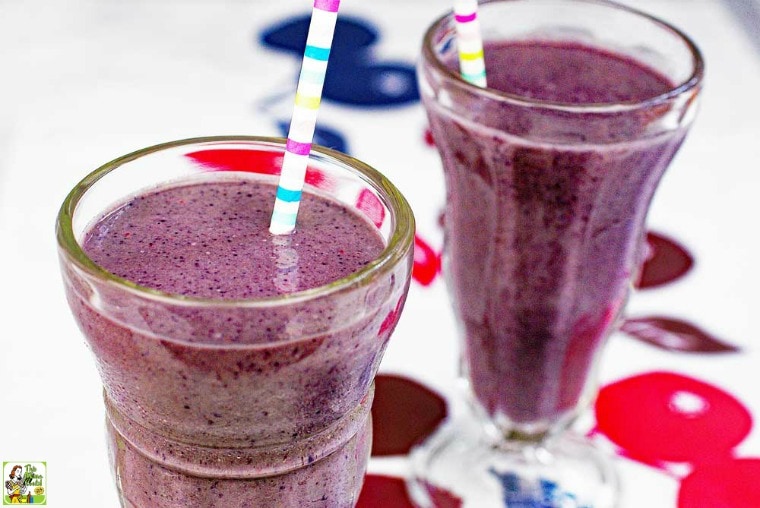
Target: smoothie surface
column 569, row 73
column 212, row 240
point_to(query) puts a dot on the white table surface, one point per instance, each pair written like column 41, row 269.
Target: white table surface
column 82, row 82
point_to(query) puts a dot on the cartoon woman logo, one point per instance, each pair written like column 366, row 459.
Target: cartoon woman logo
column 16, row 487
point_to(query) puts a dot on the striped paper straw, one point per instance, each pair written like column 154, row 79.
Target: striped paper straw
column 472, row 67
column 324, row 16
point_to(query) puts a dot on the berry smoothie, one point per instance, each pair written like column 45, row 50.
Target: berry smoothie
column 253, row 393
column 545, row 219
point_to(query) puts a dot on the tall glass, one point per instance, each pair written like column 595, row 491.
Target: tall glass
column 257, row 402
column 547, row 198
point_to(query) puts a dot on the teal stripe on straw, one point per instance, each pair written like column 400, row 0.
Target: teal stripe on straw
column 312, row 76
column 288, row 195
column 317, row 53
column 474, row 77
column 286, row 219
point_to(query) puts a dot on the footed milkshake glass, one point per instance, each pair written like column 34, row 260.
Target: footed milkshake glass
column 549, row 173
column 248, row 402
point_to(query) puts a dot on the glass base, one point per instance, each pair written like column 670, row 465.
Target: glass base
column 459, row 466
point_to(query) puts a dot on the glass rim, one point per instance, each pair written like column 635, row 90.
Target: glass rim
column 693, row 81
column 399, row 243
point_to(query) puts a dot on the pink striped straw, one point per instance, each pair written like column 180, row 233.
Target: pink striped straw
column 324, row 16
column 469, row 42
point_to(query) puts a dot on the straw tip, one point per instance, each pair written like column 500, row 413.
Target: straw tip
column 281, row 229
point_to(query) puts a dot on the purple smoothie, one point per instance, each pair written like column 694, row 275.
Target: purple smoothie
column 545, row 219
column 213, row 241
column 235, row 405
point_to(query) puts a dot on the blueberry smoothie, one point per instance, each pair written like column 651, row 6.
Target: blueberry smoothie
column 545, row 217
column 211, row 240
column 233, row 385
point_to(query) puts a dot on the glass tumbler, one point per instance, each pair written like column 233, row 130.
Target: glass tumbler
column 547, row 192
column 248, row 402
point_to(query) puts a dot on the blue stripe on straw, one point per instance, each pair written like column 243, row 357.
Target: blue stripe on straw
column 317, row 53
column 287, row 195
